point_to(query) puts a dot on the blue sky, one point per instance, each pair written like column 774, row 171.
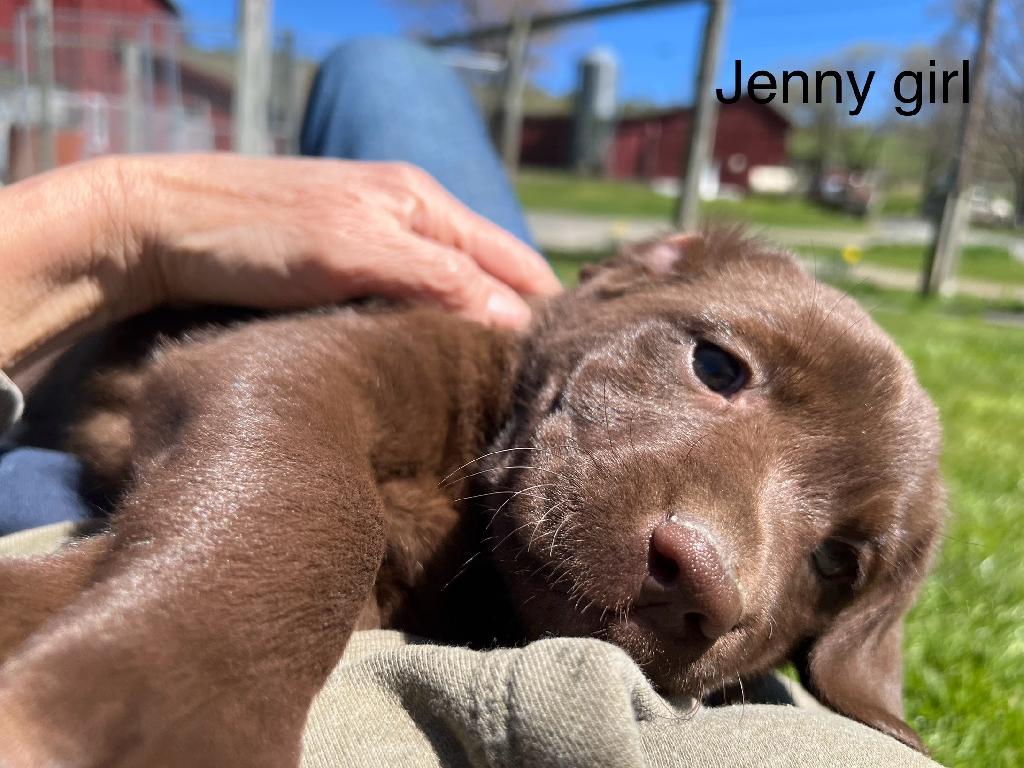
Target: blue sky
column 657, row 48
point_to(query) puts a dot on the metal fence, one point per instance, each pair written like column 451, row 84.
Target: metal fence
column 79, row 84
column 74, row 84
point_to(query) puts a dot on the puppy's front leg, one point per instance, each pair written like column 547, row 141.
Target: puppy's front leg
column 240, row 563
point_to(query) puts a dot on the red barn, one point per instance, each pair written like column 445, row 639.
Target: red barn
column 127, row 8
column 546, row 141
column 122, row 7
column 183, row 104
column 654, row 144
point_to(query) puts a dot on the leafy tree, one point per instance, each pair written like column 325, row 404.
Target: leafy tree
column 1004, row 135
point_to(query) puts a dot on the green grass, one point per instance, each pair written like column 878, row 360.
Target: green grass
column 902, row 204
column 780, row 212
column 550, row 191
column 964, row 640
column 978, row 262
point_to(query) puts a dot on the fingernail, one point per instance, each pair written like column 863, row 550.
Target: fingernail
column 507, row 309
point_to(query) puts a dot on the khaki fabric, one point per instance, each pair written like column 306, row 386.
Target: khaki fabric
column 35, row 541
column 395, row 701
column 12, row 403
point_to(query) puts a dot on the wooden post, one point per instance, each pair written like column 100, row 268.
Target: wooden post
column 131, row 58
column 941, row 260
column 42, row 37
column 172, row 39
column 286, row 94
column 705, row 117
column 512, row 94
column 252, row 78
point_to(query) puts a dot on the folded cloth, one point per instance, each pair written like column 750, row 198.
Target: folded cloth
column 11, row 403
column 395, row 701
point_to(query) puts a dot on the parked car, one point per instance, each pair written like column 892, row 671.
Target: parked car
column 855, row 192
column 988, row 209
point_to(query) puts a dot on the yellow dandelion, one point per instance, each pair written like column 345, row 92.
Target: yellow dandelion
column 852, row 254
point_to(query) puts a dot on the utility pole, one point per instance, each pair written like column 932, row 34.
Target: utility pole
column 516, row 48
column 252, row 78
column 941, row 261
column 516, row 35
column 705, row 118
column 42, row 39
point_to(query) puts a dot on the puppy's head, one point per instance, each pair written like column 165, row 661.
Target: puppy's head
column 724, row 465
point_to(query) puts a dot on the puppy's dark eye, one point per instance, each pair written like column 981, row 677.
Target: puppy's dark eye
column 717, row 369
column 836, row 561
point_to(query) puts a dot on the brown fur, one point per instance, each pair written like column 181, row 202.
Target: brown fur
column 291, row 479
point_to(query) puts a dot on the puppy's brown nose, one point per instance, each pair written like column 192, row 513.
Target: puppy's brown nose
column 688, row 580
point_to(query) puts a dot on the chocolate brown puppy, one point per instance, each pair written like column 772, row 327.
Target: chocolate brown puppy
column 700, row 455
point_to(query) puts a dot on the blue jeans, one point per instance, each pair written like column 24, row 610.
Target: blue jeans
column 383, row 99
column 391, row 99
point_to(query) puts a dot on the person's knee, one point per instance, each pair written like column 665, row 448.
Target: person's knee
column 370, row 56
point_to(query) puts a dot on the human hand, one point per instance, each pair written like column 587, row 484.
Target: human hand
column 290, row 232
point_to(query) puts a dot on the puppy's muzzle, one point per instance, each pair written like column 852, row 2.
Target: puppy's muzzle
column 689, row 581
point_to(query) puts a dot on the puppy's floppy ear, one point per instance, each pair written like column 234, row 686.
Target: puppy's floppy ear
column 680, row 257
column 856, row 669
column 641, row 262
column 856, row 665
column 663, row 256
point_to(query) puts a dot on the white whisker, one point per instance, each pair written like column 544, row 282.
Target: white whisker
column 495, row 469
column 480, row 495
column 480, row 458
column 554, row 538
column 517, row 493
column 543, row 517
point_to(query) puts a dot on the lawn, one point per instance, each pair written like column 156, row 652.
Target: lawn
column 901, row 204
column 550, row 191
column 965, row 638
column 978, row 262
